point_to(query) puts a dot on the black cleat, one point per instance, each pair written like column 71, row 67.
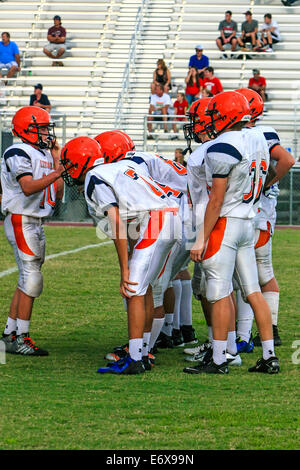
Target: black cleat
column 266, row 366
column 9, row 342
column 177, row 338
column 164, row 341
column 188, row 334
column 125, row 366
column 277, row 339
column 210, row 368
column 147, row 363
column 26, row 347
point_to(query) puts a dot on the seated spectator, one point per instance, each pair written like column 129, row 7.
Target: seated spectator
column 206, row 93
column 57, row 38
column 161, row 75
column 211, row 82
column 194, row 85
column 39, row 99
column 249, row 32
column 180, row 107
column 228, row 29
column 179, row 157
column 159, row 104
column 258, row 83
column 269, row 32
column 199, row 60
column 9, row 56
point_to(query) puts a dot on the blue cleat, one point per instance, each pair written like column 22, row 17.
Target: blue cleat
column 125, row 366
column 244, row 347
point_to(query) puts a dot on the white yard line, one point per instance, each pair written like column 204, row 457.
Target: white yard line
column 56, row 255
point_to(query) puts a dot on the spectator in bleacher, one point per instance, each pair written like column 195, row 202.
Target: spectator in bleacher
column 270, row 33
column 179, row 157
column 9, row 56
column 159, row 104
column 258, row 83
column 199, row 60
column 161, row 75
column 206, row 93
column 194, row 85
column 211, row 82
column 228, row 29
column 180, row 107
column 249, row 32
column 57, row 39
column 39, row 99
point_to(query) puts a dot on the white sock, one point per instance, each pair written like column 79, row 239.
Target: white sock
column 168, row 324
column 268, row 348
column 210, row 334
column 272, row 299
column 11, row 325
column 177, row 287
column 146, row 340
column 157, row 325
column 231, row 342
column 219, row 351
column 186, row 303
column 22, row 326
column 135, row 348
column 244, row 318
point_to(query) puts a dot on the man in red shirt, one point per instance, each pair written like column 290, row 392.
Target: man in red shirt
column 258, row 83
column 211, row 82
column 57, row 38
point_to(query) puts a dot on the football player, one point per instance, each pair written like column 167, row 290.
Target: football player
column 266, row 216
column 118, row 193
column 31, row 183
column 236, row 165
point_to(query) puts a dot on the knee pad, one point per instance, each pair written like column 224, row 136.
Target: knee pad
column 217, row 289
column 32, row 284
column 158, row 295
column 264, row 264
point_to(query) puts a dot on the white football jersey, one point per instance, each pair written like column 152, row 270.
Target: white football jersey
column 19, row 160
column 163, row 170
column 124, row 185
column 267, row 210
column 243, row 158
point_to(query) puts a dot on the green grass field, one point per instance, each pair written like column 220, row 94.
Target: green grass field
column 60, row 402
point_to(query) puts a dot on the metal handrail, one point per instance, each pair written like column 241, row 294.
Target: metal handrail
column 123, row 95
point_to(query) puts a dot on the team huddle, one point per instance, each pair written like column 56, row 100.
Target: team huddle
column 219, row 212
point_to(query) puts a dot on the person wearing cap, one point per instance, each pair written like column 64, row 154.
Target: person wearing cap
column 39, row 99
column 57, row 38
column 249, row 32
column 228, row 29
column 258, row 84
column 199, row 60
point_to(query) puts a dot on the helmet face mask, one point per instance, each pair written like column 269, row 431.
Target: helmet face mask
column 198, row 120
column 77, row 157
column 29, row 123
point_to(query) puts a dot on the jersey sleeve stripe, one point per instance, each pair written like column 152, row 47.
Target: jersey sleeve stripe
column 138, row 160
column 15, row 152
column 23, row 174
column 226, row 149
column 272, row 147
column 271, row 136
column 91, row 186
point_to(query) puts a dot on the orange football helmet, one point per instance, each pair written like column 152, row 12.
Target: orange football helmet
column 226, row 109
column 77, row 156
column 198, row 119
column 115, row 145
column 255, row 101
column 27, row 125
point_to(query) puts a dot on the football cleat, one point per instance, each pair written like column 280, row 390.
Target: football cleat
column 177, row 338
column 277, row 339
column 25, row 346
column 151, row 358
column 233, row 359
column 205, row 350
column 266, row 366
column 147, row 363
column 164, row 341
column 243, row 346
column 118, row 353
column 203, row 347
column 125, row 366
column 9, row 342
column 188, row 334
column 210, row 368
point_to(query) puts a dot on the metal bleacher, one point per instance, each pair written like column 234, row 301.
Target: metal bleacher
column 99, row 37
